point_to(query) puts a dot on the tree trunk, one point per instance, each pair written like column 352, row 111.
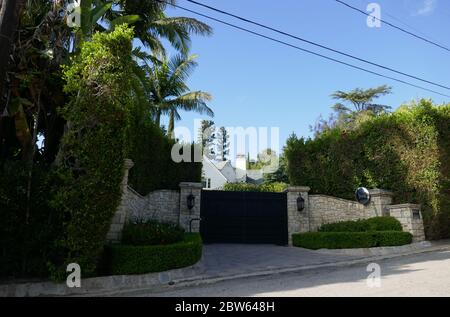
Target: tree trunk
column 171, row 128
column 9, row 22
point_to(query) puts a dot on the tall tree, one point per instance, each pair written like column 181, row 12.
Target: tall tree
column 223, row 144
column 353, row 107
column 206, row 137
column 170, row 94
column 361, row 99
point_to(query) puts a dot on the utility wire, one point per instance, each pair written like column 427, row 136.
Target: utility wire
column 303, row 49
column 394, row 26
column 319, row 45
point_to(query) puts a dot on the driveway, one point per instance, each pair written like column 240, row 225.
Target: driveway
column 237, row 259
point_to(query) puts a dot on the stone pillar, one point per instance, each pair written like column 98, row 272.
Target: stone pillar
column 410, row 216
column 380, row 199
column 187, row 215
column 115, row 231
column 298, row 221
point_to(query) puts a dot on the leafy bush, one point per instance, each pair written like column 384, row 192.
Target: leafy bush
column 245, row 187
column 150, row 149
column 363, row 225
column 126, row 259
column 151, row 233
column 384, row 224
column 91, row 161
column 407, row 152
column 350, row 240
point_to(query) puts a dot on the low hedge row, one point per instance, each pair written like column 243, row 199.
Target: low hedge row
column 128, row 259
column 350, row 240
column 373, row 224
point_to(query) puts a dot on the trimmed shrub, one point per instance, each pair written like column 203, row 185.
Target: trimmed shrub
column 127, row 259
column 407, row 152
column 91, row 160
column 384, row 224
column 350, row 240
column 245, row 187
column 363, row 225
column 346, row 226
column 151, row 233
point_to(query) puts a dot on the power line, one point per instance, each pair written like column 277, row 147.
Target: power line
column 305, row 50
column 320, row 45
column 394, row 26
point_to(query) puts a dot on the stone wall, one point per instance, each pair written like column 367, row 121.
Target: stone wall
column 168, row 206
column 326, row 209
column 160, row 205
column 410, row 217
column 321, row 209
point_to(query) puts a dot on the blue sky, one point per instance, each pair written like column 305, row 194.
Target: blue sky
column 255, row 82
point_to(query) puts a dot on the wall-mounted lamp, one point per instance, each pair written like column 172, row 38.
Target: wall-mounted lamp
column 190, row 201
column 300, row 203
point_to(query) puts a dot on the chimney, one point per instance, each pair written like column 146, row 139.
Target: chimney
column 241, row 162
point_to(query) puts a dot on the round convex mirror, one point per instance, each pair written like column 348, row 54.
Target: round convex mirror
column 362, row 195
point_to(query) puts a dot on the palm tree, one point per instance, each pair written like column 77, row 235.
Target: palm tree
column 154, row 24
column 169, row 93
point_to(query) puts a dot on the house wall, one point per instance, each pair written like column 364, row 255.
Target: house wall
column 211, row 172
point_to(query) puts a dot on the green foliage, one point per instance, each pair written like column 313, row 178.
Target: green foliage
column 350, row 240
column 245, row 187
column 407, row 152
column 151, row 233
column 372, row 224
column 153, row 167
column 92, row 155
column 126, row 259
column 26, row 240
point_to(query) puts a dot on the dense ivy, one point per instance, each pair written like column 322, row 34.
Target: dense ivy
column 407, row 152
column 98, row 82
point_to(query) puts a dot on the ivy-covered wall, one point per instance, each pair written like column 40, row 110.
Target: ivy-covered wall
column 407, row 152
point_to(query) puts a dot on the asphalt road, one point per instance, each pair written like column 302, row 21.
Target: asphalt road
column 426, row 274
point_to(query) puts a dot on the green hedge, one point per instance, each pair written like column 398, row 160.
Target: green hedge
column 407, row 152
column 150, row 149
column 244, row 187
column 372, row 224
column 151, row 233
column 350, row 240
column 126, row 259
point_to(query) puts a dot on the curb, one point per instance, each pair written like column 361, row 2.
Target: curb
column 156, row 282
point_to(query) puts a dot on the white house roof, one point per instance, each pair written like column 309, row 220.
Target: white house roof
column 220, row 165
